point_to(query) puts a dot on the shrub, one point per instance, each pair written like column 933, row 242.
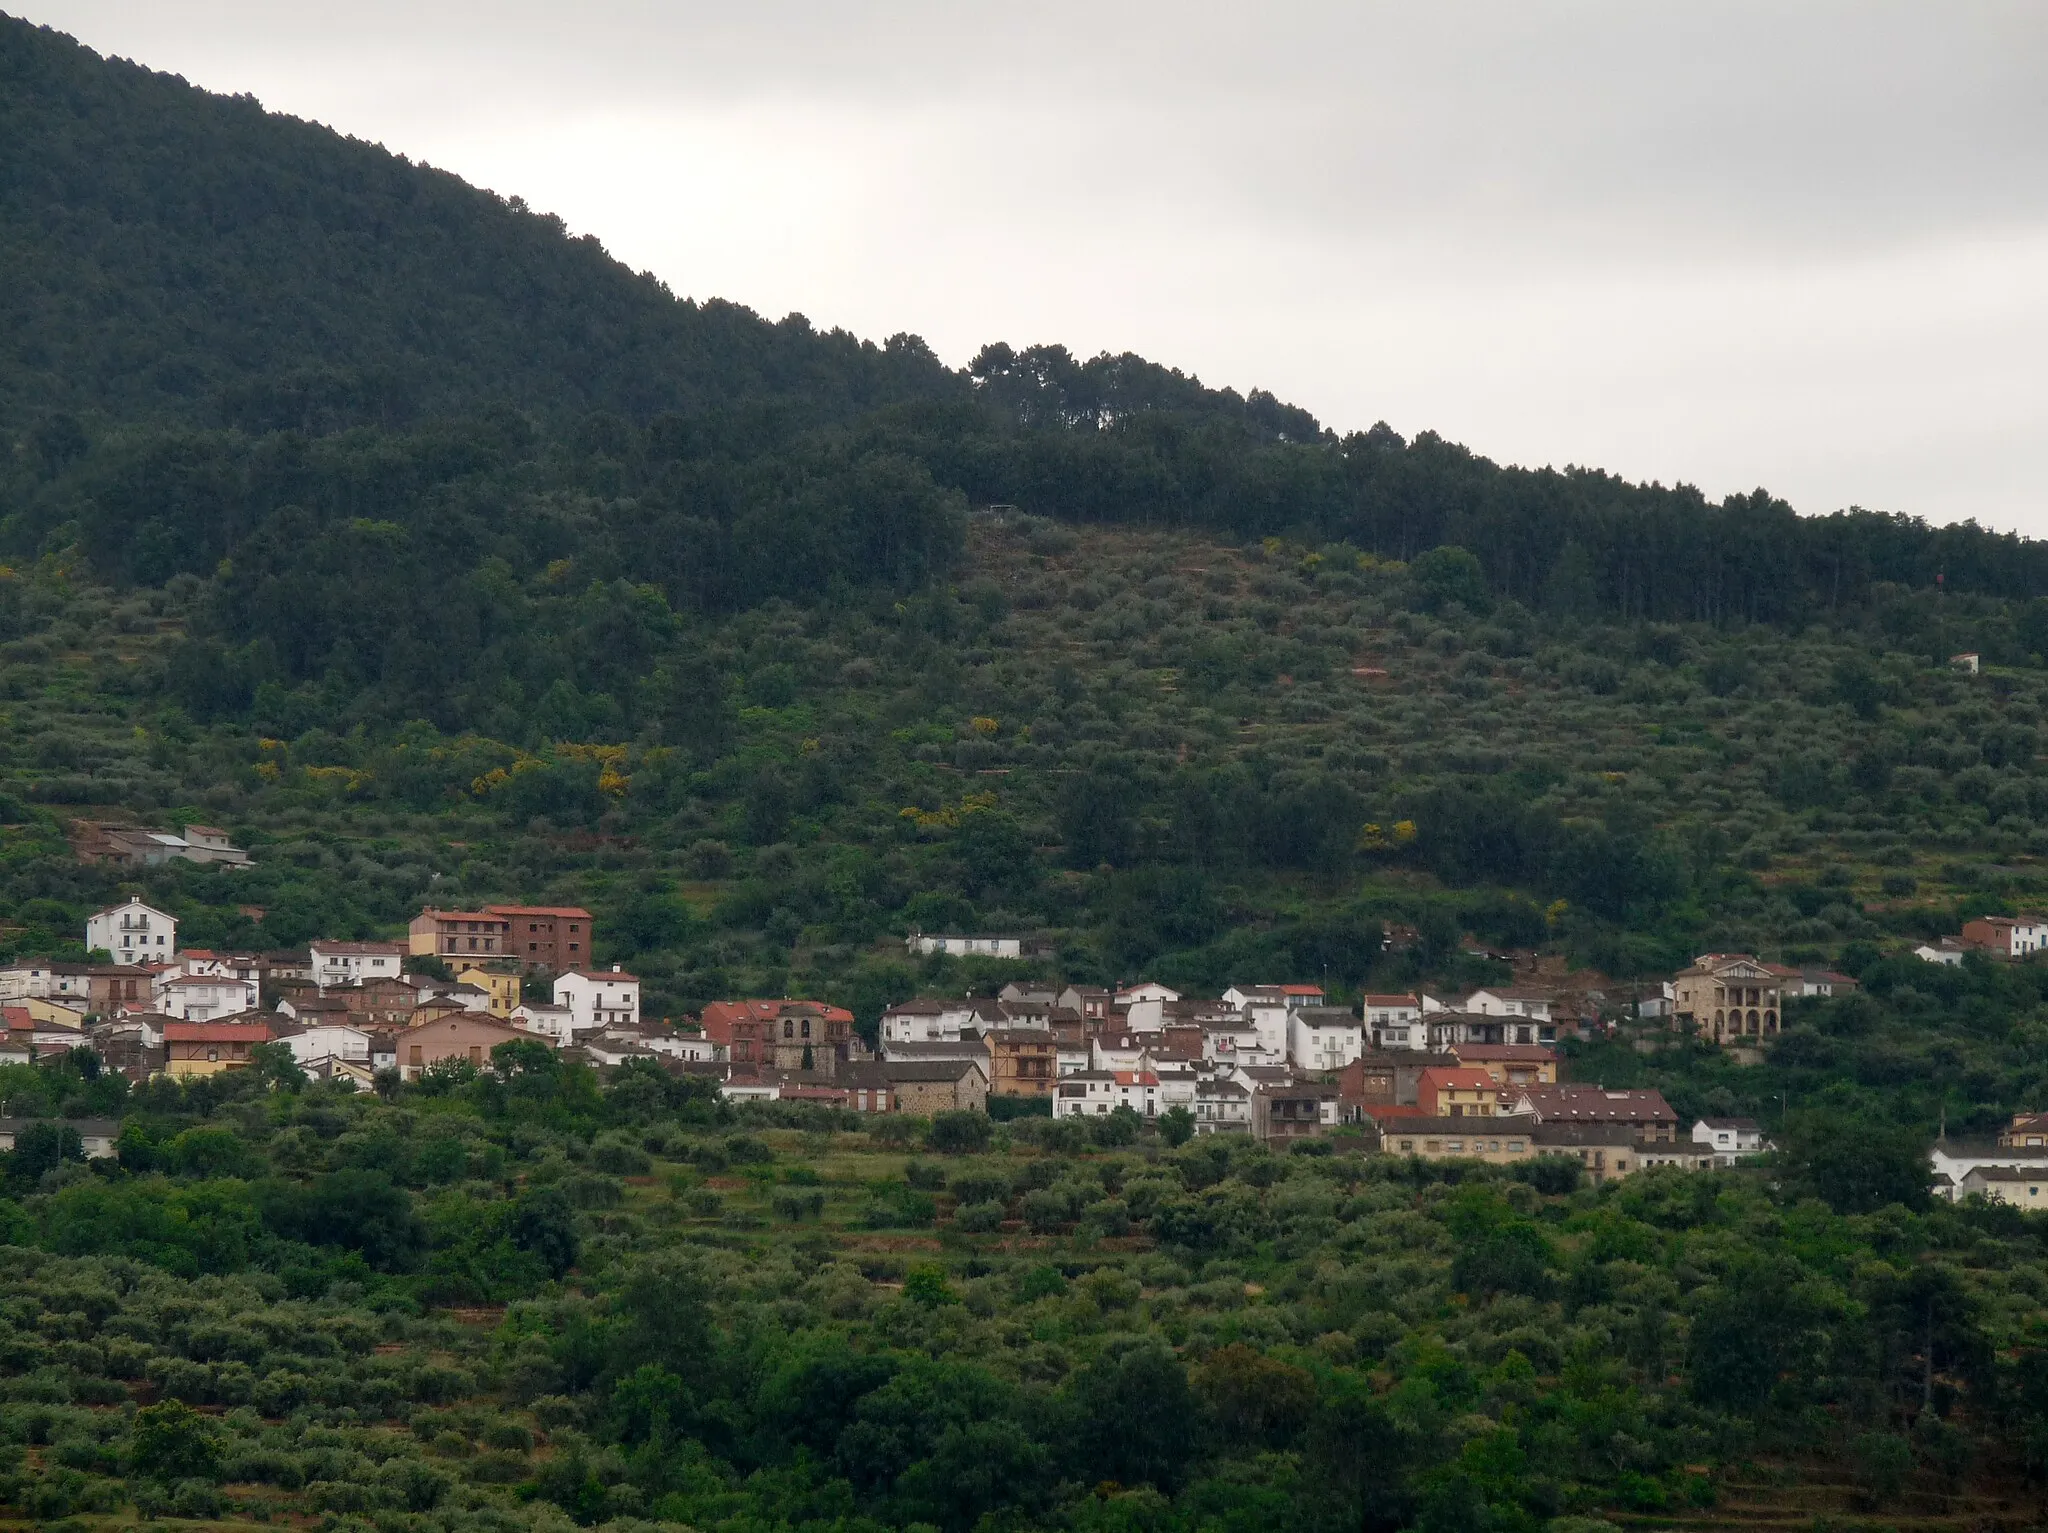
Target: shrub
column 1044, row 1211
column 792, row 1206
column 959, row 1133
column 615, row 1154
column 981, row 1187
column 978, row 1218
column 171, row 1441
column 900, row 1207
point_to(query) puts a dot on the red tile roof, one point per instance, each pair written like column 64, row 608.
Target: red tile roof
column 217, row 1032
column 1441, row 1077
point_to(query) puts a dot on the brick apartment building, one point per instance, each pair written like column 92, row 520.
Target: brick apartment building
column 556, row 938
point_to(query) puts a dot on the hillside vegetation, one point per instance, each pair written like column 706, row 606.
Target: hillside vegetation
column 507, row 1301
column 444, row 560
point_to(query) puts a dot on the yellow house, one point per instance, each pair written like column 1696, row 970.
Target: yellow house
column 503, row 989
column 49, row 1013
column 207, row 1048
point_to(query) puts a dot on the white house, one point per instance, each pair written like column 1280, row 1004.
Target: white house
column 1502, row 1002
column 204, row 997
column 1393, row 1020
column 965, row 947
column 327, row 1040
column 1820, row 982
column 1273, row 1018
column 1241, row 996
column 1093, row 1093
column 1223, row 1106
column 30, row 980
column 133, row 933
column 748, row 1088
column 930, row 1020
column 1119, row 1051
column 1948, row 952
column 1177, row 1085
column 606, row 998
column 1952, row 1161
column 2007, row 936
column 694, row 1048
column 1324, row 1038
column 1148, row 990
column 2006, row 1184
column 1730, row 1139
column 557, row 1024
column 351, row 963
column 97, row 1137
column 1225, row 1041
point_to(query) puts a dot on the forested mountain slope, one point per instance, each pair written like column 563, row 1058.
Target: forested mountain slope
column 170, row 254
column 354, row 506
column 443, row 560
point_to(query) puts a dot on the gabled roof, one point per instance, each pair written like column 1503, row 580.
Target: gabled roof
column 1596, row 1104
column 894, row 1070
column 1402, row 1120
column 1458, row 1078
column 217, row 1032
column 1327, row 1016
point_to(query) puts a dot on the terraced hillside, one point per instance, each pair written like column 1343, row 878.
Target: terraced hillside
column 1166, row 751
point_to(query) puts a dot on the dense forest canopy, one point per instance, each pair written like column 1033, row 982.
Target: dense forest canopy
column 226, row 330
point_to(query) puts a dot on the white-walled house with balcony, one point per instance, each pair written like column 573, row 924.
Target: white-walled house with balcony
column 603, row 998
column 204, row 997
column 353, row 963
column 133, row 933
column 1324, row 1038
column 1093, row 1093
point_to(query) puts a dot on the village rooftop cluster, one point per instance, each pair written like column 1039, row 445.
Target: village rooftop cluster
column 1469, row 1076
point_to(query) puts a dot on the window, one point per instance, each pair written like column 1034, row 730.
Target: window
column 413, row 1056
column 1515, row 1146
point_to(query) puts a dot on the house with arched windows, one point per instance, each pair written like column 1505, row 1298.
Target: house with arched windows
column 1729, row 997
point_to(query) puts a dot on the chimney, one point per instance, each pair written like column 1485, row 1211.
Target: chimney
column 615, row 969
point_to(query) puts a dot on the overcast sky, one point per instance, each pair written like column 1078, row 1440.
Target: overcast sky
column 1795, row 245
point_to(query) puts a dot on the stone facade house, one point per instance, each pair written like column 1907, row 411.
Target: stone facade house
column 1729, row 997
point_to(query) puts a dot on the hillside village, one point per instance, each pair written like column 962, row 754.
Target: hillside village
column 1477, row 1075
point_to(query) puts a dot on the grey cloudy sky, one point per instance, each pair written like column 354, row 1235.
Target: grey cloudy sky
column 1792, row 244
